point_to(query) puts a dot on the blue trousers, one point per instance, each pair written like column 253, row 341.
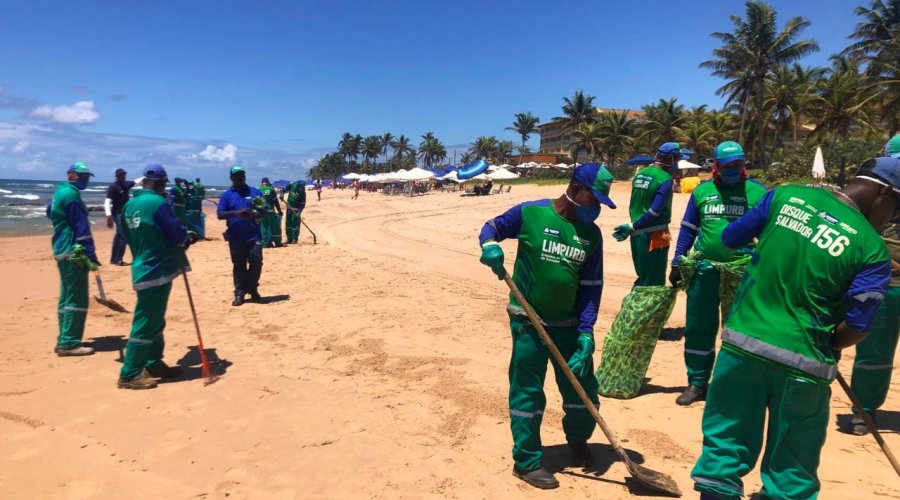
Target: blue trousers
column 247, row 259
column 118, row 244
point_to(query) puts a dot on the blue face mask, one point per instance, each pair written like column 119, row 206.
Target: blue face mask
column 82, row 183
column 731, row 177
column 586, row 214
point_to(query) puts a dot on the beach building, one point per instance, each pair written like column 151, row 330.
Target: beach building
column 556, row 135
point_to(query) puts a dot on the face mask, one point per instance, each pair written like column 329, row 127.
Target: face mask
column 731, row 177
column 586, row 214
column 82, row 184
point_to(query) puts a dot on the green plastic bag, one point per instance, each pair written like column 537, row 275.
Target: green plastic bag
column 629, row 345
column 730, row 274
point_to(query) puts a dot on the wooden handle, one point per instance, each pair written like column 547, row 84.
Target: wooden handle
column 869, row 423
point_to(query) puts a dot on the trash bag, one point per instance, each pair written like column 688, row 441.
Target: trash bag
column 629, row 345
column 730, row 274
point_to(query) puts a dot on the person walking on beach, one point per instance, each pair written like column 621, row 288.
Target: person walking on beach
column 812, row 288
column 713, row 205
column 116, row 197
column 356, row 188
column 318, row 186
column 874, row 360
column 651, row 212
column 158, row 242
column 73, row 249
column 559, row 268
column 178, row 200
column 243, row 235
column 270, row 225
column 294, row 202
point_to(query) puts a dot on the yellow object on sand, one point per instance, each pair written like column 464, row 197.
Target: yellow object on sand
column 688, row 184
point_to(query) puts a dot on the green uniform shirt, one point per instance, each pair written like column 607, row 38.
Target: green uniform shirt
column 193, row 201
column 644, row 188
column 270, row 196
column 64, row 235
column 812, row 252
column 152, row 232
column 891, row 235
column 717, row 206
column 179, row 200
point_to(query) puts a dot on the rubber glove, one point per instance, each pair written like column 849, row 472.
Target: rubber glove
column 675, row 276
column 492, row 256
column 580, row 362
column 622, row 232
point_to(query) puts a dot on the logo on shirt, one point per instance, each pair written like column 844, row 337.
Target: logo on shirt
column 554, row 251
column 712, row 197
column 583, row 241
column 828, row 217
column 799, row 201
column 739, row 199
column 135, row 221
column 551, row 231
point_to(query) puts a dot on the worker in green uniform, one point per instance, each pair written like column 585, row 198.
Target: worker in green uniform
column 874, row 361
column 651, row 212
column 559, row 269
column 295, row 202
column 178, row 201
column 713, row 205
column 270, row 225
column 157, row 241
column 194, row 206
column 73, row 249
column 812, row 287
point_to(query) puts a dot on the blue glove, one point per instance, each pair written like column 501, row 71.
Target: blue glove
column 622, row 232
column 492, row 256
column 581, row 362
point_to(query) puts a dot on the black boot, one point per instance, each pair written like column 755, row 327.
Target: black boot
column 858, row 425
column 238, row 300
column 581, row 454
column 539, row 478
column 690, row 395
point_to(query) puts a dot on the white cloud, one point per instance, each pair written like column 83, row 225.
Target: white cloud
column 227, row 153
column 82, row 112
column 20, row 146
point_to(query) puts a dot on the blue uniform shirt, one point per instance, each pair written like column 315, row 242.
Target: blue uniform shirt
column 240, row 228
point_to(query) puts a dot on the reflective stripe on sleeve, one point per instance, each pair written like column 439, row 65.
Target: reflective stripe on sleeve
column 689, row 225
column 780, row 355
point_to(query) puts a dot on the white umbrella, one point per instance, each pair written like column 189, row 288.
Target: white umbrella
column 818, row 170
column 491, row 168
column 686, row 165
column 501, row 174
column 418, row 174
column 562, row 165
column 505, row 165
column 350, row 176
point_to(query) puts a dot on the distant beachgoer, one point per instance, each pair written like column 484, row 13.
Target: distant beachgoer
column 355, row 188
column 194, row 205
column 559, row 268
column 157, row 240
column 116, row 197
column 874, row 360
column 713, row 205
column 295, row 202
column 73, row 249
column 319, row 189
column 270, row 224
column 178, row 200
column 244, row 239
column 651, row 212
column 812, row 289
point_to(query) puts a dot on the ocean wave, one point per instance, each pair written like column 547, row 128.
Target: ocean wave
column 4, row 191
column 96, row 190
column 27, row 215
column 45, row 185
column 211, row 189
column 28, row 196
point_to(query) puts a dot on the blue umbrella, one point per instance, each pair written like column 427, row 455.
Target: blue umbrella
column 641, row 159
column 281, row 184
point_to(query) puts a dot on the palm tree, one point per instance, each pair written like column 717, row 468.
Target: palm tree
column 579, row 109
column 503, row 150
column 843, row 102
column 484, row 146
column 525, row 125
column 664, row 120
column 697, row 136
column 617, row 133
column 468, row 157
column 386, row 143
column 789, row 92
column 721, row 127
column 354, row 148
column 588, row 138
column 372, row 148
column 878, row 47
column 345, row 145
column 431, row 150
column 747, row 55
column 402, row 147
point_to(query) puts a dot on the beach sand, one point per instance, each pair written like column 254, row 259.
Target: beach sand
column 382, row 375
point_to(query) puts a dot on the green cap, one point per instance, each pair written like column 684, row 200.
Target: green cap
column 80, row 168
column 728, row 152
column 237, row 169
column 892, row 148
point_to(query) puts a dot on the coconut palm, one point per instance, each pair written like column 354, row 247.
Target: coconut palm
column 371, row 149
column 386, row 140
column 617, row 133
column 843, row 100
column 503, row 150
column 878, row 47
column 345, row 145
column 789, row 92
column 721, row 127
column 588, row 137
column 431, row 150
column 402, row 148
column 484, row 147
column 525, row 125
column 698, row 136
column 579, row 109
column 663, row 120
column 747, row 55
column 468, row 157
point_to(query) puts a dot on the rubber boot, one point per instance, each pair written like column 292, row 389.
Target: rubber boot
column 690, row 395
column 142, row 381
column 74, row 351
column 539, row 478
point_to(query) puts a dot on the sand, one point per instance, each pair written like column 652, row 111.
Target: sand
column 378, row 371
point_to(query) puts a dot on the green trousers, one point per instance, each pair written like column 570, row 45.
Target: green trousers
column 527, row 401
column 292, row 226
column 71, row 310
column 649, row 266
column 701, row 326
column 198, row 222
column 743, row 390
column 875, row 354
column 270, row 226
column 145, row 344
column 181, row 215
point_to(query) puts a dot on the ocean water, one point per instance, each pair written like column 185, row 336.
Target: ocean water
column 23, row 205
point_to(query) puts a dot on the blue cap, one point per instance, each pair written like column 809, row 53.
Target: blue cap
column 669, row 149
column 596, row 177
column 884, row 170
column 155, row 172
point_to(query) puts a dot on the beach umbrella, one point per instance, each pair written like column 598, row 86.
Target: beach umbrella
column 818, row 169
column 350, row 176
column 418, row 174
column 501, row 174
column 686, row 165
column 282, row 184
column 562, row 165
column 641, row 159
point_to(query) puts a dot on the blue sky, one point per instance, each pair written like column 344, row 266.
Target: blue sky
column 198, row 85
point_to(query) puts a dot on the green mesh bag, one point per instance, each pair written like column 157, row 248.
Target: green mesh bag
column 730, row 274
column 629, row 345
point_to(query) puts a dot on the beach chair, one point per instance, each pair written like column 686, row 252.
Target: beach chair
column 508, row 188
column 498, row 190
